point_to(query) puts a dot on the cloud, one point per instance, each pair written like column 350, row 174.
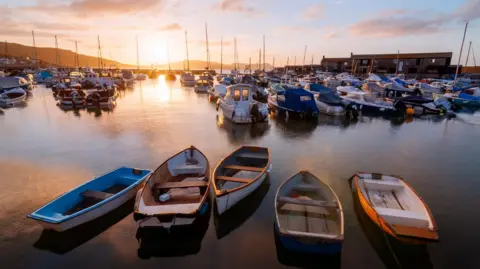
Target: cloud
column 235, row 6
column 86, row 8
column 469, row 11
column 170, row 27
column 314, row 11
column 400, row 22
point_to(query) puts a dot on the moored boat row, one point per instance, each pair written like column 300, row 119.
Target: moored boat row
column 309, row 216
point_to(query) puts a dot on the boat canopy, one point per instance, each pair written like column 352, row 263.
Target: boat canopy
column 318, row 88
column 298, row 100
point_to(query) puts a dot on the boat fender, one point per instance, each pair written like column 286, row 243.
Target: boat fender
column 255, row 113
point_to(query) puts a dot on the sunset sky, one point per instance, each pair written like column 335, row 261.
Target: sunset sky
column 331, row 27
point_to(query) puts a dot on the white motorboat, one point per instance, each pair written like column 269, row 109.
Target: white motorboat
column 344, row 90
column 217, row 91
column 368, row 102
column 12, row 97
column 239, row 106
column 187, row 79
column 201, row 85
column 70, row 97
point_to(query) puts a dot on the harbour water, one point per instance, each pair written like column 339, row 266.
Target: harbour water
column 45, row 151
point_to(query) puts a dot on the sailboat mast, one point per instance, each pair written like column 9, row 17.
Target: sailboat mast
column 468, row 54
column 474, row 61
column 35, row 50
column 77, row 64
column 273, row 65
column 221, row 55
column 100, row 57
column 311, row 65
column 138, row 56
column 208, row 51
column 263, row 53
column 250, row 65
column 259, row 59
column 186, row 45
column 460, row 55
column 6, row 55
column 235, row 53
column 57, row 56
column 168, row 57
column 304, row 57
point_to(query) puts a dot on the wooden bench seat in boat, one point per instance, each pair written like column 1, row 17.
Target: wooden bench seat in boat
column 403, row 217
column 234, row 179
column 306, row 202
column 382, row 185
column 189, row 169
column 305, row 187
column 252, row 155
column 244, row 168
column 99, row 195
column 182, row 184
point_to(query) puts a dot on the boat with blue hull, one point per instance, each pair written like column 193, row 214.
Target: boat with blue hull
column 468, row 98
column 91, row 200
column 309, row 216
column 294, row 102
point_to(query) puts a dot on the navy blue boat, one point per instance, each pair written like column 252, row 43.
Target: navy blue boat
column 294, row 103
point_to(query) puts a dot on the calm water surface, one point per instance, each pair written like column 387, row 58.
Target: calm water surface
column 45, row 151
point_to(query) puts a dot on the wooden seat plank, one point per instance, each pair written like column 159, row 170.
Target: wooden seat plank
column 234, row 179
column 295, row 201
column 99, row 195
column 251, row 155
column 182, row 184
column 244, row 168
column 415, row 232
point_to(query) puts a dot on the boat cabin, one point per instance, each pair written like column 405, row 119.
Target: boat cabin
column 238, row 93
column 298, row 100
column 202, row 83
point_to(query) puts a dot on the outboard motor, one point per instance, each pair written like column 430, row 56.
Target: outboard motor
column 400, row 106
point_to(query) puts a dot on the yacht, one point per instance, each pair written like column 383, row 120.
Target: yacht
column 239, row 106
column 187, row 79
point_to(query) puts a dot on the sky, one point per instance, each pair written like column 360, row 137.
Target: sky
column 334, row 28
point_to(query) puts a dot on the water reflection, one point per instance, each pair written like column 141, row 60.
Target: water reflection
column 392, row 252
column 178, row 241
column 64, row 242
column 305, row 260
column 241, row 212
column 240, row 133
column 294, row 129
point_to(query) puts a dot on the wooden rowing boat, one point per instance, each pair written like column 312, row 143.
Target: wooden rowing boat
column 91, row 200
column 176, row 193
column 396, row 208
column 309, row 215
column 239, row 174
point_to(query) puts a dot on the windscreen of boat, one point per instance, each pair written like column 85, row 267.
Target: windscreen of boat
column 369, row 98
column 330, row 98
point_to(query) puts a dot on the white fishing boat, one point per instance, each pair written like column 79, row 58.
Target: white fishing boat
column 176, row 193
column 309, row 215
column 369, row 103
column 70, row 97
column 344, row 90
column 12, row 97
column 238, row 175
column 239, row 106
column 395, row 207
column 102, row 98
column 91, row 200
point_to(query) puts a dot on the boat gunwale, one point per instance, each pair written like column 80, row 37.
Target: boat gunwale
column 390, row 226
column 286, row 232
column 220, row 193
column 36, row 216
column 207, row 175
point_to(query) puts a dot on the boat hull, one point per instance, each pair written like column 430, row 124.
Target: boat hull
column 242, row 119
column 226, row 202
column 312, row 246
column 93, row 214
column 291, row 113
column 372, row 214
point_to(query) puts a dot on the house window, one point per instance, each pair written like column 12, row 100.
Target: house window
column 364, row 61
column 432, row 61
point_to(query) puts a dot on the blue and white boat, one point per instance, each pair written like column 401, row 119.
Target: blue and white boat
column 469, row 98
column 328, row 101
column 308, row 216
column 91, row 200
column 369, row 103
column 294, row 102
column 7, row 83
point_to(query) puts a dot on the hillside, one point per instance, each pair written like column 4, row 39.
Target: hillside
column 67, row 59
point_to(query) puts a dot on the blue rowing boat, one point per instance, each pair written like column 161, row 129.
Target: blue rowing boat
column 91, row 200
